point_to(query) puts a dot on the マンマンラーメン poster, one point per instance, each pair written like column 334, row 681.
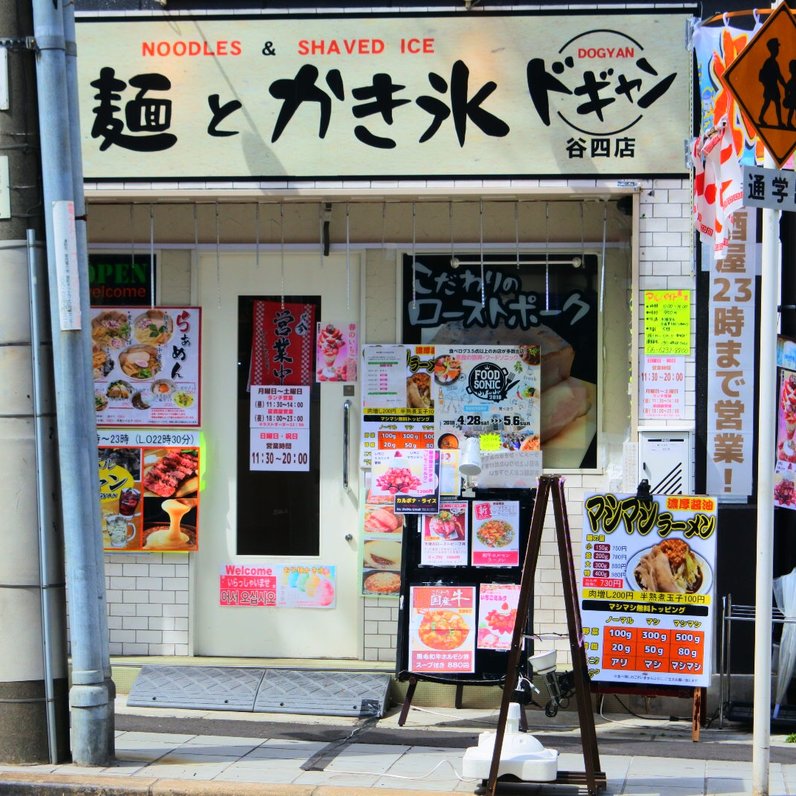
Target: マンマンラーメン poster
column 647, row 588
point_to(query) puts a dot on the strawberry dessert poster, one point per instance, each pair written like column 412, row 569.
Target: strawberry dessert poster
column 336, row 351
column 497, row 613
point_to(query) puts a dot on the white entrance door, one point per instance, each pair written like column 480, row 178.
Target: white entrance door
column 266, row 519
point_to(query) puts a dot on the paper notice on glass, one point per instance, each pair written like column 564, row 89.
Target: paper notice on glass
column 444, row 542
column 279, row 435
column 496, row 533
column 514, row 469
column 384, row 377
column 450, row 482
column 662, row 388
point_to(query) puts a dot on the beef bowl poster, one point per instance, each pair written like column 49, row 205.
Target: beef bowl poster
column 442, row 629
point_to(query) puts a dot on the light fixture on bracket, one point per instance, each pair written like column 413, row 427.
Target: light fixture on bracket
column 574, row 261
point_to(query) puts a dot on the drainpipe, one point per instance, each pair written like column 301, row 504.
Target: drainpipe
column 88, row 695
column 52, row 597
column 85, row 302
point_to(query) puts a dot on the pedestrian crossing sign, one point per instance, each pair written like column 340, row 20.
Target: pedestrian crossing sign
column 762, row 79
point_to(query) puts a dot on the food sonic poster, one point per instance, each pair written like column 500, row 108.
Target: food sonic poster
column 146, row 365
column 647, row 588
column 442, row 629
column 425, row 396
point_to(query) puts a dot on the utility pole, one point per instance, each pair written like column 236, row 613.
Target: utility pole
column 90, row 705
column 34, row 716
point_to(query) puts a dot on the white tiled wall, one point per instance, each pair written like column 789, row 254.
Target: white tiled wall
column 148, row 598
column 381, row 622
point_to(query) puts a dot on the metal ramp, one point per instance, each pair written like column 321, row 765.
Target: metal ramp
column 260, row 690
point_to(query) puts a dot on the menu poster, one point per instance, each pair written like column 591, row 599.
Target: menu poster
column 149, row 498
column 337, row 348
column 146, row 365
column 496, row 533
column 647, row 588
column 488, row 389
column 442, row 629
column 410, row 477
column 444, row 540
column 497, row 615
column 279, row 423
column 397, row 407
column 667, row 322
column 382, row 530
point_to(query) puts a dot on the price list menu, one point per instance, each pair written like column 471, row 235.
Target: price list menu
column 647, row 583
column 653, row 650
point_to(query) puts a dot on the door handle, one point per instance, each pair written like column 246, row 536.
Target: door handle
column 346, row 440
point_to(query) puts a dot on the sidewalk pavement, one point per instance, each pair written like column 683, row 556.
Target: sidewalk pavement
column 162, row 752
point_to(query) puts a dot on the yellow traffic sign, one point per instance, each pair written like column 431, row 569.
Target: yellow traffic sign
column 763, row 81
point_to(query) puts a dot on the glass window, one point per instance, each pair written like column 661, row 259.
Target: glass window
column 278, row 512
column 550, row 299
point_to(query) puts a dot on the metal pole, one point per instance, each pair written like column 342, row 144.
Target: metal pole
column 761, row 734
column 34, row 711
column 88, row 695
column 85, row 303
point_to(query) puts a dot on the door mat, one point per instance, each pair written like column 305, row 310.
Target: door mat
column 259, row 690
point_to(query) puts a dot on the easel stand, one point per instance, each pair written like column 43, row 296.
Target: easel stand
column 593, row 777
